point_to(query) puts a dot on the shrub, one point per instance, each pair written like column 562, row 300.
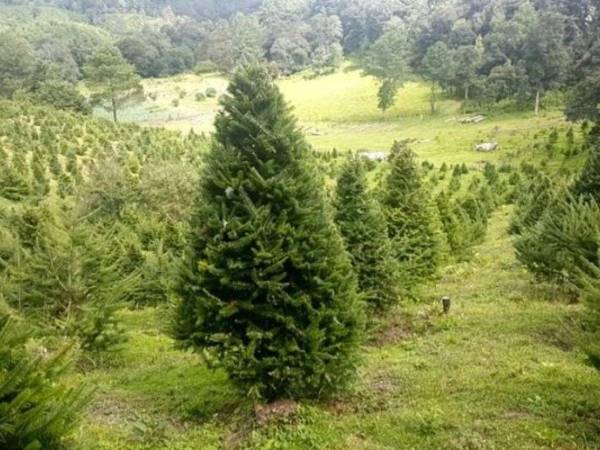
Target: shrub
column 200, row 97
column 267, row 288
column 211, row 92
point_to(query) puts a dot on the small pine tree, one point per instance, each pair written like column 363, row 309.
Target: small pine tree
column 588, row 183
column 563, row 241
column 363, row 227
column 36, row 409
column 69, row 281
column 416, row 240
column 268, row 288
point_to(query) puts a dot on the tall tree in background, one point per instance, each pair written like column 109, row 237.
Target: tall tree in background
column 112, row 80
column 362, row 224
column 584, row 101
column 437, row 67
column 267, row 288
column 416, row 239
column 17, row 63
column 532, row 41
column 388, row 61
column 237, row 42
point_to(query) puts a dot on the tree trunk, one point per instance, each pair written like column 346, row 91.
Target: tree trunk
column 432, row 100
column 537, row 102
column 114, row 108
column 467, row 93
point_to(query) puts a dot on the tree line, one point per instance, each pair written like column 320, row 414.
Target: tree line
column 484, row 52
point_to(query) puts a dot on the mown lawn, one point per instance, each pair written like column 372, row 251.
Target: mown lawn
column 501, row 371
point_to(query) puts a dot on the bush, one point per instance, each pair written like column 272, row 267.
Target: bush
column 200, row 97
column 267, row 288
column 211, row 92
column 36, row 409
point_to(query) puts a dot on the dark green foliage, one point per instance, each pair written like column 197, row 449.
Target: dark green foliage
column 589, row 282
column 37, row 409
column 363, row 227
column 268, row 288
column 563, row 241
column 412, row 225
column 534, row 198
column 588, row 183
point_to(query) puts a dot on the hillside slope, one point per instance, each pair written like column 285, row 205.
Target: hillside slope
column 500, row 371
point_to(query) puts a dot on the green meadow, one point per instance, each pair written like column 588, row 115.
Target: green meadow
column 340, row 111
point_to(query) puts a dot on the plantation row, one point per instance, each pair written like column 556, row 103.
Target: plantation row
column 557, row 235
column 273, row 275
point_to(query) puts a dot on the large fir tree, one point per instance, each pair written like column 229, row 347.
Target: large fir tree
column 268, row 288
column 363, row 227
column 412, row 224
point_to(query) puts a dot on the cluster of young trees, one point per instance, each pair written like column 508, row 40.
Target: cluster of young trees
column 275, row 282
column 557, row 227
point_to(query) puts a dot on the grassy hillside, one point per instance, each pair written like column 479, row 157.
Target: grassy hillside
column 500, row 371
column 340, row 111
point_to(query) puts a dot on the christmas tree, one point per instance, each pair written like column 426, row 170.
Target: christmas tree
column 412, row 224
column 363, row 227
column 268, row 288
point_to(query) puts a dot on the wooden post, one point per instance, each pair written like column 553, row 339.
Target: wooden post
column 446, row 301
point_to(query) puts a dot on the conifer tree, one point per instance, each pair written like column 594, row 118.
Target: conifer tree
column 268, row 288
column 588, row 183
column 68, row 280
column 363, row 227
column 36, row 408
column 412, row 227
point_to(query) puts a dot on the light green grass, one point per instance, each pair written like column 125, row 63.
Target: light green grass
column 499, row 372
column 340, row 111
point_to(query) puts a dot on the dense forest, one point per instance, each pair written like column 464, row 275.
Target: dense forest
column 484, row 51
column 248, row 289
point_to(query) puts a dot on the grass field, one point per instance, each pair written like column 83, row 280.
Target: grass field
column 340, row 111
column 499, row 372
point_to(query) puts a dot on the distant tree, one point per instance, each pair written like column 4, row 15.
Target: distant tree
column 467, row 60
column 267, row 288
column 112, row 80
column 388, row 61
column 416, row 239
column 362, row 224
column 438, row 68
column 534, row 42
column 325, row 37
column 584, row 100
column 236, row 42
column 59, row 94
column 17, row 63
